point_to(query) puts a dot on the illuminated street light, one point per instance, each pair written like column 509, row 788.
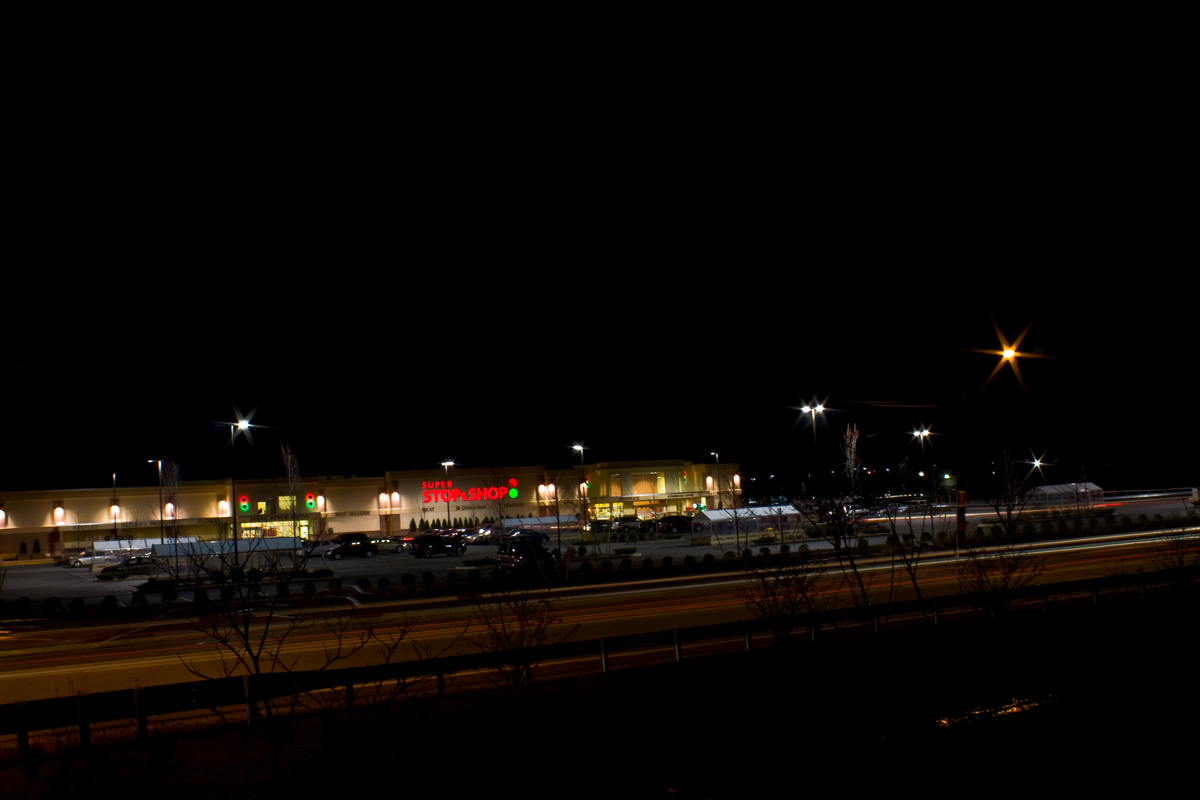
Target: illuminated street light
column 718, row 481
column 812, row 410
column 583, row 493
column 162, row 539
column 447, row 465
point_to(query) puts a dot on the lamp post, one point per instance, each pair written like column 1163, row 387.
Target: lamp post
column 162, row 539
column 242, row 425
column 114, row 503
column 583, row 500
column 447, row 465
column 813, row 410
column 717, row 482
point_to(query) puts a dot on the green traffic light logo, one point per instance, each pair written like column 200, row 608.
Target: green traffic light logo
column 512, row 491
column 244, row 503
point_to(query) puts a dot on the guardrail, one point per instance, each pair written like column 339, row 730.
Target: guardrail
column 251, row 690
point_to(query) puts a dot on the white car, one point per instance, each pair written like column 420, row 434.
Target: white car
column 319, row 548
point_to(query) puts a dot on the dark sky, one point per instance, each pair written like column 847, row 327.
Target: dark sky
column 657, row 284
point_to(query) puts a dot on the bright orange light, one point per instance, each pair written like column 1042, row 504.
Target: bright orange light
column 1009, row 353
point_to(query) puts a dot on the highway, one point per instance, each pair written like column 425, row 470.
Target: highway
column 38, row 661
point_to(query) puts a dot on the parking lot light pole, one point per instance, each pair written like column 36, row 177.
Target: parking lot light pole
column 162, row 539
column 447, row 465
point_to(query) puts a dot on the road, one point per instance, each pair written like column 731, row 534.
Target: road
column 40, row 662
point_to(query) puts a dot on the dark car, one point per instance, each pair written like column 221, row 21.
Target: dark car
column 451, row 544
column 134, row 564
column 524, row 556
column 600, row 526
column 363, row 547
column 675, row 524
column 526, row 535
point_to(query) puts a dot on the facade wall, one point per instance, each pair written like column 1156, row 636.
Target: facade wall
column 354, row 505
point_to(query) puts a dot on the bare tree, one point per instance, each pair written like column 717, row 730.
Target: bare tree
column 170, row 484
column 1015, row 492
column 991, row 575
column 781, row 592
column 836, row 519
column 908, row 539
column 515, row 625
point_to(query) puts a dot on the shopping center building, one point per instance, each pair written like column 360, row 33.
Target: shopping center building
column 64, row 520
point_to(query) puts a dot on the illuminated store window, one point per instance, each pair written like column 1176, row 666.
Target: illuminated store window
column 643, row 483
column 262, row 507
column 287, row 503
column 662, row 483
column 616, row 486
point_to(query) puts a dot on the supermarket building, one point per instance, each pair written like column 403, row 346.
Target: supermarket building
column 57, row 521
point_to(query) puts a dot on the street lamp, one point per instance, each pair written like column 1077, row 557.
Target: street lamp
column 583, row 500
column 162, row 539
column 813, row 410
column 447, row 465
column 718, row 481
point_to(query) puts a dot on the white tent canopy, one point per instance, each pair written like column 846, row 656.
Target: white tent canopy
column 542, row 523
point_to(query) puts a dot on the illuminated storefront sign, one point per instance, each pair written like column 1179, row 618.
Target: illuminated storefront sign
column 444, row 492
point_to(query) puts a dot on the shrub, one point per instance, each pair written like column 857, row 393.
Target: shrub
column 383, row 584
column 22, row 550
column 428, row 578
column 497, row 575
column 51, row 605
column 334, row 585
column 408, row 580
column 709, row 560
column 784, row 549
column 764, row 551
column 254, row 575
column 1028, row 533
column 689, row 562
column 169, row 595
column 24, row 607
column 863, row 547
column 627, row 564
column 109, row 604
column 282, row 590
column 321, row 573
column 364, row 584
column 625, row 551
column 453, row 577
column 138, row 599
column 606, row 566
column 811, row 532
column 37, row 546
column 581, row 552
column 803, row 553
column 75, row 606
column 200, row 598
column 667, row 561
column 309, row 590
column 474, row 578
column 1124, row 520
column 648, row 563
column 586, row 566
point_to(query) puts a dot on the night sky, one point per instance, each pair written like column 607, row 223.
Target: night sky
column 648, row 291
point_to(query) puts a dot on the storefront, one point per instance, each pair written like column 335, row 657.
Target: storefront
column 40, row 522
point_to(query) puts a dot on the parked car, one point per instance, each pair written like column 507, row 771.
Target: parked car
column 448, row 543
column 363, row 547
column 132, row 564
column 599, row 526
column 526, row 535
column 315, row 548
column 524, row 556
column 675, row 524
column 628, row 524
